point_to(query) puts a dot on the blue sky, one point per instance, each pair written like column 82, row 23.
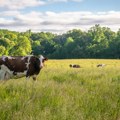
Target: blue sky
column 58, row 16
column 82, row 5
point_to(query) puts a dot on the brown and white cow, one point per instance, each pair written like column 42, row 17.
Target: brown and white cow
column 19, row 66
column 101, row 65
column 74, row 66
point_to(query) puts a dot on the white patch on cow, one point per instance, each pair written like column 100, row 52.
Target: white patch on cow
column 22, row 58
column 6, row 73
column 3, row 58
column 5, row 68
column 19, row 74
column 41, row 61
column 9, row 57
column 28, row 63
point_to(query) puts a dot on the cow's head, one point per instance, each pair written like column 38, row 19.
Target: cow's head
column 42, row 60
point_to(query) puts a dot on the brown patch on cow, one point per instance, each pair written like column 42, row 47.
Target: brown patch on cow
column 1, row 61
column 16, row 64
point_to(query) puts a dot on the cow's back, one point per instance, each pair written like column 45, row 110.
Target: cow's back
column 16, row 64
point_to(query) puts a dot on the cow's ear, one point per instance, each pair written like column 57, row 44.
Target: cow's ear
column 45, row 58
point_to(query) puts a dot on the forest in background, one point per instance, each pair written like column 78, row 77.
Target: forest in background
column 97, row 42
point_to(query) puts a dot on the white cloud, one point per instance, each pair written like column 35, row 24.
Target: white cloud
column 58, row 22
column 9, row 13
column 20, row 4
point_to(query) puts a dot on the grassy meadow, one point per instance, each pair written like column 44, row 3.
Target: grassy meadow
column 64, row 93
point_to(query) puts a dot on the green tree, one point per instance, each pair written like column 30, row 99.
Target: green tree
column 99, row 42
column 2, row 50
column 114, row 49
column 23, row 46
column 42, row 43
column 78, row 47
column 8, row 44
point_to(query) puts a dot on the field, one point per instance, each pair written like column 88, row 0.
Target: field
column 64, row 93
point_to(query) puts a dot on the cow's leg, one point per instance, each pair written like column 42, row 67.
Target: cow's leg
column 34, row 77
column 7, row 76
column 2, row 75
column 27, row 77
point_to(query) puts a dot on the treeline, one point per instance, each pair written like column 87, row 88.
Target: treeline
column 97, row 42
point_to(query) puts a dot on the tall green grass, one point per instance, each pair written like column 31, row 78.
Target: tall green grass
column 63, row 93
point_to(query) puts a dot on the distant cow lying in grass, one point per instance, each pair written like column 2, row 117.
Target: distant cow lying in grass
column 101, row 65
column 74, row 66
column 19, row 66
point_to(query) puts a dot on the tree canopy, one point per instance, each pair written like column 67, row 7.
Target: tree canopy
column 97, row 42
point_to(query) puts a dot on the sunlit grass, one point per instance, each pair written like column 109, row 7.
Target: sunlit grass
column 64, row 93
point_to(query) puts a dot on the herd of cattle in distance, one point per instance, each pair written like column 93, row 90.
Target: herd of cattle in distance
column 78, row 66
column 28, row 66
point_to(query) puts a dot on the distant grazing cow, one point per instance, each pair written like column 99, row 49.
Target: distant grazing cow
column 101, row 65
column 74, row 66
column 19, row 66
